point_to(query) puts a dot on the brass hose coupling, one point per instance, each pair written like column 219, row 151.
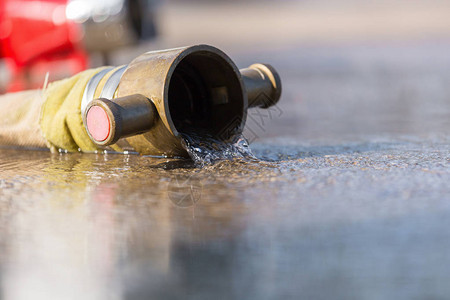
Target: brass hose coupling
column 161, row 94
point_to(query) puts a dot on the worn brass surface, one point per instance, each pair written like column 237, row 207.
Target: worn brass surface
column 196, row 88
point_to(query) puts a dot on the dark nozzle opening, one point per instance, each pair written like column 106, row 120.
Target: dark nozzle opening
column 205, row 96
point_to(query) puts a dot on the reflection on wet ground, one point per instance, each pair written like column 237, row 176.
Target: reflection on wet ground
column 362, row 216
column 348, row 200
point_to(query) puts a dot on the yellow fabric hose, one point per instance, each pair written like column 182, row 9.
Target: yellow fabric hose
column 48, row 118
column 19, row 119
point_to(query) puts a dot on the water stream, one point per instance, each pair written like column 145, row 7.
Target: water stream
column 204, row 149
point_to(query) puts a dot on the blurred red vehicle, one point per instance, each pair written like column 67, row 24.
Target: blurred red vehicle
column 36, row 38
column 54, row 36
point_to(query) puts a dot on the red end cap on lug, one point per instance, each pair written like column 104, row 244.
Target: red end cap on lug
column 98, row 123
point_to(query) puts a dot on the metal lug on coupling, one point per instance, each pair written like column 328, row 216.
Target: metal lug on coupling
column 107, row 121
column 263, row 85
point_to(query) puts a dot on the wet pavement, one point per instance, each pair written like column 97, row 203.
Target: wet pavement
column 349, row 198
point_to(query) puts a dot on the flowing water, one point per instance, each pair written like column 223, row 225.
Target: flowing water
column 205, row 149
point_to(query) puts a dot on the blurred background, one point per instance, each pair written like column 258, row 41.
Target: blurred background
column 63, row 37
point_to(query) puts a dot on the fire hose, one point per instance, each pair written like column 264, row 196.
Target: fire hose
column 143, row 106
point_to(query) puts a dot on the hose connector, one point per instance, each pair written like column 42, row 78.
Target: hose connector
column 162, row 94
